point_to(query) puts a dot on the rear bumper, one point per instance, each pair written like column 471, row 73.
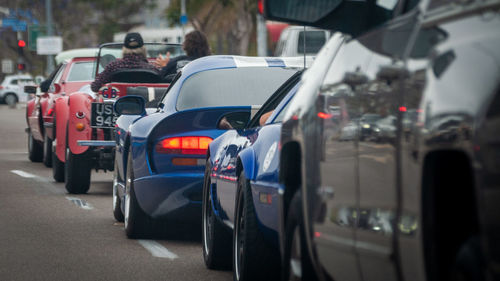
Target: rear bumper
column 173, row 196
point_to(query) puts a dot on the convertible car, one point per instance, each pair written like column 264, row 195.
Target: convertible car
column 74, row 70
column 85, row 120
column 160, row 157
column 240, row 193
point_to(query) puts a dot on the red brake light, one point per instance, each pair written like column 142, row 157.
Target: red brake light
column 50, row 111
column 323, row 115
column 184, row 145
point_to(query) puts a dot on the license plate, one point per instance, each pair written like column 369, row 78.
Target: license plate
column 103, row 115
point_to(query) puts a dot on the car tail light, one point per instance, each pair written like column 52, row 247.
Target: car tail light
column 184, row 145
column 1, row 87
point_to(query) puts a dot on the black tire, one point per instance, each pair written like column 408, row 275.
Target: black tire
column 11, row 100
column 47, row 151
column 35, row 149
column 117, row 202
column 296, row 262
column 137, row 223
column 77, row 170
column 215, row 236
column 57, row 167
column 253, row 259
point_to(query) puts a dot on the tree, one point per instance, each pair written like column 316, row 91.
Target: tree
column 231, row 22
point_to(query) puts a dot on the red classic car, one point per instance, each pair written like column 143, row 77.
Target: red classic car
column 84, row 120
column 69, row 76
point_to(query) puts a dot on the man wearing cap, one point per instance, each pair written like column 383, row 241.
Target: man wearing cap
column 134, row 56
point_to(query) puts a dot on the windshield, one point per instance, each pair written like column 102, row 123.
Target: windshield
column 231, row 87
column 81, row 71
column 111, row 52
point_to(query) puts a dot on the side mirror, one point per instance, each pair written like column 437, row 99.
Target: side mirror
column 234, row 120
column 130, row 105
column 30, row 89
column 55, row 88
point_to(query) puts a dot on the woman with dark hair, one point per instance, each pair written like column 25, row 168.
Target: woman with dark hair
column 195, row 45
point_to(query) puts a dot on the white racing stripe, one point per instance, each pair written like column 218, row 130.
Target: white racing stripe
column 157, row 250
column 23, row 174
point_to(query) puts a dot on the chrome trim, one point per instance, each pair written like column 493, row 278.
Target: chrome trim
column 95, row 143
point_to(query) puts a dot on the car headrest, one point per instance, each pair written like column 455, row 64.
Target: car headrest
column 150, row 94
column 138, row 75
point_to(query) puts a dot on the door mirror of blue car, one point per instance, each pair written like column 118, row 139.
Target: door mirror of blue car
column 130, row 105
column 234, row 120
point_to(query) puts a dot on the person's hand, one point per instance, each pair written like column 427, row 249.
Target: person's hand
column 162, row 61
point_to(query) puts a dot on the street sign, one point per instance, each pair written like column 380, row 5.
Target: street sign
column 49, row 45
column 14, row 23
column 35, row 31
column 184, row 19
column 7, row 66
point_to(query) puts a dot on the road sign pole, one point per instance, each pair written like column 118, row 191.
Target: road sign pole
column 183, row 18
column 50, row 32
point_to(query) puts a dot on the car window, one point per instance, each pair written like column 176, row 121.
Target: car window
column 81, row 71
column 13, row 82
column 281, row 114
column 315, row 39
column 231, row 87
column 57, row 78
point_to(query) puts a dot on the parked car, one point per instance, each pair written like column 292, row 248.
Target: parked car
column 384, row 129
column 241, row 162
column 425, row 208
column 12, row 88
column 85, row 120
column 291, row 42
column 160, row 158
column 69, row 76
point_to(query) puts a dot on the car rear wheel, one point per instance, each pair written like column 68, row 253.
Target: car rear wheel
column 10, row 100
column 296, row 264
column 35, row 150
column 137, row 223
column 216, row 250
column 252, row 258
column 117, row 210
column 77, row 170
column 47, row 151
column 57, row 167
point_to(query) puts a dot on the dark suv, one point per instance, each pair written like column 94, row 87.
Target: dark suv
column 425, row 206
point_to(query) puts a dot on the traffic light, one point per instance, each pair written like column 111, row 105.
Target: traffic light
column 21, row 44
column 260, row 7
column 21, row 66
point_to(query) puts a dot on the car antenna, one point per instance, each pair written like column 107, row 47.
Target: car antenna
column 304, row 34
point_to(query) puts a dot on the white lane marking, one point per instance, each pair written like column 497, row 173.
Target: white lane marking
column 80, row 203
column 157, row 250
column 23, row 174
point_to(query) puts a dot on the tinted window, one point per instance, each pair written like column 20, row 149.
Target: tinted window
column 231, row 87
column 82, row 71
column 13, row 82
column 314, row 41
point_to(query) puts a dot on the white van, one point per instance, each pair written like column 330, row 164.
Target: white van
column 291, row 42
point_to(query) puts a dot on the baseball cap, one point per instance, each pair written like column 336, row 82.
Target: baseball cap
column 133, row 40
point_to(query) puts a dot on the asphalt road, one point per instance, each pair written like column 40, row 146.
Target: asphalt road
column 47, row 234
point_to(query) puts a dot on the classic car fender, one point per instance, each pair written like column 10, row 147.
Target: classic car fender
column 79, row 104
column 61, row 120
column 30, row 106
column 247, row 159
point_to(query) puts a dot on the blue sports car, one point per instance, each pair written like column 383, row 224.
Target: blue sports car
column 160, row 156
column 241, row 201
